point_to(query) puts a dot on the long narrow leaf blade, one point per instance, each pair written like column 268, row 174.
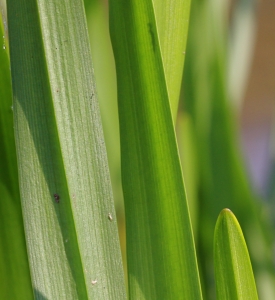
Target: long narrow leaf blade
column 233, row 271
column 14, row 268
column 160, row 249
column 66, row 196
column 172, row 20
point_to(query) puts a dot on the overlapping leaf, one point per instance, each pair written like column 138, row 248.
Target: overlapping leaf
column 65, row 188
column 161, row 255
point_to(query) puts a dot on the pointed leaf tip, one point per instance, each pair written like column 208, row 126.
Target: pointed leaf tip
column 233, row 270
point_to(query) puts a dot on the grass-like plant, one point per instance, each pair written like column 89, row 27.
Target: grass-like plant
column 66, row 199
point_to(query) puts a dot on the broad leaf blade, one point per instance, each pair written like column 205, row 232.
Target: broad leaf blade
column 160, row 249
column 233, row 271
column 65, row 188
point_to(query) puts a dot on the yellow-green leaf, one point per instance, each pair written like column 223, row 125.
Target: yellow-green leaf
column 233, row 271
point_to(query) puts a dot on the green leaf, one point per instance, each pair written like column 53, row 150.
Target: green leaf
column 172, row 20
column 14, row 269
column 66, row 195
column 104, row 67
column 188, row 157
column 7, row 150
column 160, row 250
column 233, row 271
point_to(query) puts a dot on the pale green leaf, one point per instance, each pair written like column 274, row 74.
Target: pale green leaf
column 172, row 20
column 67, row 203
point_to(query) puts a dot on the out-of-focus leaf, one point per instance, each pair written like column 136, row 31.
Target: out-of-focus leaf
column 188, row 156
column 241, row 50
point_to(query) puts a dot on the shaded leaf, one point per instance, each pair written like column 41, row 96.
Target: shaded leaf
column 65, row 187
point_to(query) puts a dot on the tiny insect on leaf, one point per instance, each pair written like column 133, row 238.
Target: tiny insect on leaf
column 94, row 282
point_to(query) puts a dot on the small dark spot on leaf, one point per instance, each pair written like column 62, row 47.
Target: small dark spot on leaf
column 56, row 198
